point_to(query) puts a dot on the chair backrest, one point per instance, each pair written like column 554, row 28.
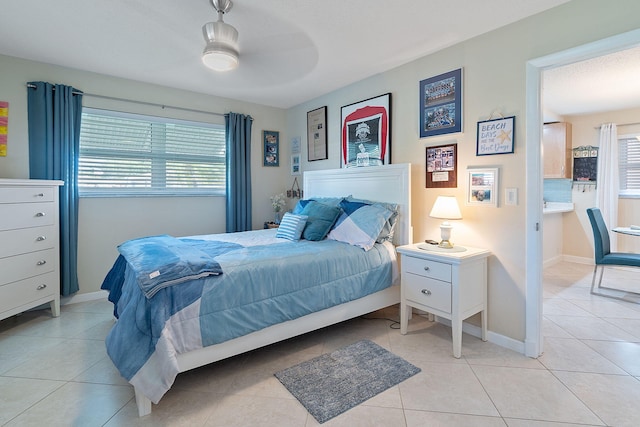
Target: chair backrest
column 601, row 242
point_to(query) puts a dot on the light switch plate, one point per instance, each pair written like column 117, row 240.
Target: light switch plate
column 511, row 196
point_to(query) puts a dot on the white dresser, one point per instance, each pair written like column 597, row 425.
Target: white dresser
column 29, row 248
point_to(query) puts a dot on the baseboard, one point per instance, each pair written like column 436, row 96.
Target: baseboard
column 577, row 259
column 89, row 296
column 492, row 337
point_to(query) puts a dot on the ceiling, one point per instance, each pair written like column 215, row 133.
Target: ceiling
column 605, row 83
column 291, row 51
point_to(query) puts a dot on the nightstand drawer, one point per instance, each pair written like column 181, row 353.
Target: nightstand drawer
column 427, row 268
column 427, row 292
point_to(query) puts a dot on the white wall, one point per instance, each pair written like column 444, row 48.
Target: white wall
column 494, row 80
column 106, row 222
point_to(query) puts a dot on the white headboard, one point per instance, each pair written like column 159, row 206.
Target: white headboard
column 388, row 183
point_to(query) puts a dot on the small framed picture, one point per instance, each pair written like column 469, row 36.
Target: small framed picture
column 295, row 164
column 442, row 166
column 496, row 136
column 482, row 187
column 271, row 148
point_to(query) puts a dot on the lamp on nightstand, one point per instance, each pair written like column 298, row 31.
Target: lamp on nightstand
column 446, row 207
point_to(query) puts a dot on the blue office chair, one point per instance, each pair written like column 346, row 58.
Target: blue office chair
column 603, row 254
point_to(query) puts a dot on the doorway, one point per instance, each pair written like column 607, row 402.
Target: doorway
column 534, row 181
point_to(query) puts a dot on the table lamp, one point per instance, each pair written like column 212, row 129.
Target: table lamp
column 446, row 207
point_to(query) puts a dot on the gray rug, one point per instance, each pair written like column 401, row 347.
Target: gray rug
column 333, row 383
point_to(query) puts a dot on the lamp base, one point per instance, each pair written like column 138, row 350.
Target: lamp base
column 445, row 244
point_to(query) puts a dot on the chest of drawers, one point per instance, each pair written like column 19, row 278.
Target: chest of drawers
column 29, row 248
column 448, row 284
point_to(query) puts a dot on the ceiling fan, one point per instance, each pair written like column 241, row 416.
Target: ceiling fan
column 221, row 51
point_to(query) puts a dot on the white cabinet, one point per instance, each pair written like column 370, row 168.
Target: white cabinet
column 29, row 248
column 451, row 285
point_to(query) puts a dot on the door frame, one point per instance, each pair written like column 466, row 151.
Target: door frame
column 534, row 181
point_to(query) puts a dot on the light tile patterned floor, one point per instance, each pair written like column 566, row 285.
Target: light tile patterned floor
column 55, row 372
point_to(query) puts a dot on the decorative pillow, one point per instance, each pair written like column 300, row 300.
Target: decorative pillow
column 291, row 226
column 331, row 201
column 360, row 224
column 321, row 219
column 387, row 231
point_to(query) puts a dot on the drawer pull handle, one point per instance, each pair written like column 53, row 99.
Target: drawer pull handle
column 40, row 214
column 41, row 262
column 426, row 269
column 427, row 292
column 40, row 195
column 41, row 238
column 41, row 287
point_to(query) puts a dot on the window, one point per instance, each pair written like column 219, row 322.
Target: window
column 131, row 155
column 629, row 152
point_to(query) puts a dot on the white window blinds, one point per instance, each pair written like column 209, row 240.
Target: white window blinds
column 124, row 154
column 629, row 152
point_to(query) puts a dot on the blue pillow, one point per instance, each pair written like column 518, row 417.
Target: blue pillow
column 360, row 224
column 291, row 226
column 331, row 201
column 321, row 219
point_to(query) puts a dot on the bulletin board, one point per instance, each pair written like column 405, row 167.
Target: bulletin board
column 585, row 164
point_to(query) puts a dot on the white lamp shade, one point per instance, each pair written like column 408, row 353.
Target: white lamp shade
column 446, row 207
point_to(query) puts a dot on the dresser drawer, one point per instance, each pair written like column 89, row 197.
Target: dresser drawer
column 20, row 267
column 427, row 292
column 27, row 215
column 24, row 240
column 27, row 194
column 427, row 268
column 25, row 291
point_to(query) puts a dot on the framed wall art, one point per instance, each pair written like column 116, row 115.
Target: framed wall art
column 441, row 104
column 496, row 136
column 271, row 148
column 295, row 164
column 317, row 134
column 442, row 165
column 482, row 187
column 366, row 132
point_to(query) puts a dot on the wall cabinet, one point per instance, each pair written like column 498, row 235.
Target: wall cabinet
column 29, row 249
column 556, row 146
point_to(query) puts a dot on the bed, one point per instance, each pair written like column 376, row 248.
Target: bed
column 194, row 319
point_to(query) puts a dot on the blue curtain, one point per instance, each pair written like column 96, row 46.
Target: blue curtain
column 54, row 140
column 238, row 134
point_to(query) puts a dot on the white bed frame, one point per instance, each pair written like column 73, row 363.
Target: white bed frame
column 390, row 183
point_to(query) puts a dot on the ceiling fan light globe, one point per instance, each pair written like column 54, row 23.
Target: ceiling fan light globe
column 220, row 60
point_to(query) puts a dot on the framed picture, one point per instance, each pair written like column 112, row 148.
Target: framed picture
column 295, row 164
column 482, row 187
column 317, row 134
column 271, row 148
column 366, row 132
column 295, row 145
column 442, row 166
column 441, row 104
column 496, row 136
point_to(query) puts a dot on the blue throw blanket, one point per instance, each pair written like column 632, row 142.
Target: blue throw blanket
column 161, row 261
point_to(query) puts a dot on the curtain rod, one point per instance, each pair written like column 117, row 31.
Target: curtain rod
column 621, row 124
column 111, row 98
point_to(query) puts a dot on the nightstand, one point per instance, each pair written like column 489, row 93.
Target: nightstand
column 451, row 284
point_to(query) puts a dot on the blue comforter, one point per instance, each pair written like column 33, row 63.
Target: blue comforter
column 266, row 281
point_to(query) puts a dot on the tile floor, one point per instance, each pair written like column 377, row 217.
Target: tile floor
column 55, row 372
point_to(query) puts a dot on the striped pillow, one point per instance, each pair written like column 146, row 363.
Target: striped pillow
column 291, row 226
